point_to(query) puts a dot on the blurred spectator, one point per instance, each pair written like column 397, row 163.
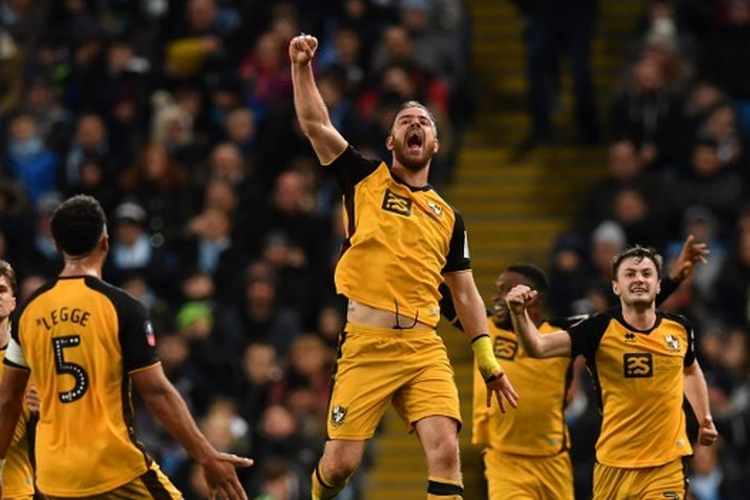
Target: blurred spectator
column 209, row 247
column 626, row 171
column 29, row 159
column 11, row 73
column 90, row 143
column 260, row 371
column 554, row 28
column 708, row 476
column 733, row 283
column 568, row 274
column 711, row 183
column 703, row 224
column 133, row 253
column 156, row 182
column 725, row 59
column 648, row 113
column 720, row 125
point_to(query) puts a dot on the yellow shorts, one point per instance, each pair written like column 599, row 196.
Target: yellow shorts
column 668, row 481
column 380, row 366
column 528, row 478
column 151, row 485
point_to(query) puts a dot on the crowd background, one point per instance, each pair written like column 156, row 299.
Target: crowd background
column 177, row 115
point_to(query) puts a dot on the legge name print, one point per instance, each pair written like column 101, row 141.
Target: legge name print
column 64, row 315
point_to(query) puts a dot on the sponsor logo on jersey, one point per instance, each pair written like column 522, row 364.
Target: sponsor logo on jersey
column 505, row 348
column 338, row 415
column 397, row 204
column 638, row 365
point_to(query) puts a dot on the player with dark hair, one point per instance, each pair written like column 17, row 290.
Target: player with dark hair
column 402, row 241
column 643, row 363
column 82, row 342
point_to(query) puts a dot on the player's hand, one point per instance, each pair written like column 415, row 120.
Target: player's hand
column 502, row 389
column 690, row 254
column 221, row 476
column 519, row 298
column 707, row 433
column 33, row 402
column 302, row 49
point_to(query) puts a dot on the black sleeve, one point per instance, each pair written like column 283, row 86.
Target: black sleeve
column 458, row 253
column 137, row 338
column 350, row 168
column 586, row 335
column 448, row 309
column 668, row 286
column 690, row 352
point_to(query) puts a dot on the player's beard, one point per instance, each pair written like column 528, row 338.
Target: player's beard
column 411, row 163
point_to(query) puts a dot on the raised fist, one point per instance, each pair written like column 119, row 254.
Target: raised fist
column 302, row 49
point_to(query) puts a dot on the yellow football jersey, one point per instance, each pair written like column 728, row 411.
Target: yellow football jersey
column 639, row 380
column 81, row 338
column 18, row 475
column 537, row 427
column 399, row 240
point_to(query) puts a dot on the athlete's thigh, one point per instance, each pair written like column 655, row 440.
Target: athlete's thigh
column 666, row 482
column 515, row 476
column 368, row 374
column 612, row 483
column 431, row 389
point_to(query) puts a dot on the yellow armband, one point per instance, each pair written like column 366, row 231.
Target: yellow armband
column 489, row 368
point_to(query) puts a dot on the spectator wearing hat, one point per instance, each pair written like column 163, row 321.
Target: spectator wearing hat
column 133, row 252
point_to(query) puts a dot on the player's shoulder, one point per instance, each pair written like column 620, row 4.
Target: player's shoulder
column 119, row 297
column 677, row 318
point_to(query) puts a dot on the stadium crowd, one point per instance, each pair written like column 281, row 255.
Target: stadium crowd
column 178, row 117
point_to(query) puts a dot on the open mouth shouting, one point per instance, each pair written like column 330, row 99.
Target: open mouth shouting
column 414, row 140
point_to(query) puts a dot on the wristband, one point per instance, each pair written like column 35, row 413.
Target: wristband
column 489, row 368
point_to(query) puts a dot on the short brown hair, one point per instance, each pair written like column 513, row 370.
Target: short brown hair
column 638, row 253
column 10, row 274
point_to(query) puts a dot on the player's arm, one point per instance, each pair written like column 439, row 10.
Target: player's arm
column 696, row 392
column 473, row 316
column 311, row 110
column 166, row 404
column 537, row 345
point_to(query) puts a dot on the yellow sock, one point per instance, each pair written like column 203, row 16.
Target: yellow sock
column 440, row 488
column 321, row 489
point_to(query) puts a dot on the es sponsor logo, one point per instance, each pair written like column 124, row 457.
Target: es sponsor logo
column 638, row 365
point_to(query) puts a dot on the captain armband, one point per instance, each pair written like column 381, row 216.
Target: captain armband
column 489, row 368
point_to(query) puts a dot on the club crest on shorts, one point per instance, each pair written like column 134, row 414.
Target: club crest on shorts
column 338, row 415
column 673, row 343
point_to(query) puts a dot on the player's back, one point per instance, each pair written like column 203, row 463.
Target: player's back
column 78, row 337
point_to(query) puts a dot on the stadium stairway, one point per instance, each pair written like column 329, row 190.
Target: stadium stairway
column 513, row 205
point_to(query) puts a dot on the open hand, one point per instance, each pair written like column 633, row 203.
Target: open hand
column 221, row 476
column 690, row 254
column 302, row 49
column 502, row 389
